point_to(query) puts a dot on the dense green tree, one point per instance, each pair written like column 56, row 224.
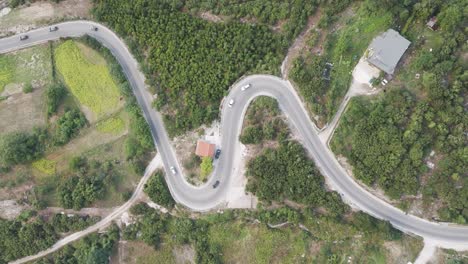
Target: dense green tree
column 94, row 248
column 88, row 185
column 20, row 239
column 68, row 126
column 64, row 223
column 451, row 17
column 214, row 55
column 157, row 190
column 20, row 147
column 287, row 173
column 206, row 167
column 263, row 122
column 54, row 95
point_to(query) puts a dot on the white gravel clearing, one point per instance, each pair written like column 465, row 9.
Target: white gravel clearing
column 427, row 253
column 236, row 197
column 5, row 11
column 10, row 209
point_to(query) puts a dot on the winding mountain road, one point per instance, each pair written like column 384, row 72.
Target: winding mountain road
column 204, row 198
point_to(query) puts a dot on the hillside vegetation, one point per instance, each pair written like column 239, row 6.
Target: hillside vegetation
column 30, row 233
column 71, row 161
column 342, row 48
column 245, row 237
column 191, row 61
column 6, row 72
column 412, row 139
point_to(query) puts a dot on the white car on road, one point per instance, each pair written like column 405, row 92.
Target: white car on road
column 173, row 170
column 245, row 87
column 231, row 103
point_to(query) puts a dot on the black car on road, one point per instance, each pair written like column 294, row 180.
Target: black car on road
column 216, row 184
column 218, row 152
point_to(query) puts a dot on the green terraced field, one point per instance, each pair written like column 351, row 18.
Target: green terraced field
column 90, row 83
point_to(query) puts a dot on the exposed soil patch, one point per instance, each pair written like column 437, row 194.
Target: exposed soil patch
column 211, row 17
column 16, row 184
column 133, row 252
column 9, row 209
column 42, row 13
column 37, row 11
column 184, row 255
column 300, row 43
column 396, row 253
column 22, row 112
column 92, row 211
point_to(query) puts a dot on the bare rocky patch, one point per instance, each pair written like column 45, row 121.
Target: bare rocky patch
column 10, row 209
column 41, row 13
column 300, row 43
column 211, row 17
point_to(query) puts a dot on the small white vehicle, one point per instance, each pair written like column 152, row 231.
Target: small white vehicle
column 173, row 170
column 52, row 29
column 245, row 87
column 231, row 103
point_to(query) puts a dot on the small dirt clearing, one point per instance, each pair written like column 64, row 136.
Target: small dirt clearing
column 19, row 111
column 40, row 13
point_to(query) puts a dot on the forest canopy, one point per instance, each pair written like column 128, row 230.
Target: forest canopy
column 191, row 61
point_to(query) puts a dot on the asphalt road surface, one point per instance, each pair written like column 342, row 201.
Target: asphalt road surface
column 205, row 197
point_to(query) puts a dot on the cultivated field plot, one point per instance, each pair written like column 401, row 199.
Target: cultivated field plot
column 20, row 111
column 88, row 83
column 87, row 76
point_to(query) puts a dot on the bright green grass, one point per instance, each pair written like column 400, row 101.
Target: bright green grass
column 6, row 71
column 246, row 243
column 113, row 125
column 25, row 66
column 45, row 166
column 91, row 84
column 356, row 36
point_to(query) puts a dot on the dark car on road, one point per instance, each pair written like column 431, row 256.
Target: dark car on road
column 216, row 184
column 218, row 152
column 24, row 37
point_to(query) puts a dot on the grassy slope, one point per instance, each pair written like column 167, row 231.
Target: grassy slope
column 329, row 238
column 24, row 66
column 356, row 36
column 423, row 40
column 90, row 83
column 6, row 71
column 32, row 65
column 100, row 142
column 246, row 243
column 343, row 48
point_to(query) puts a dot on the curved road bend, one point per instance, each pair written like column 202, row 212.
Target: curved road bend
column 205, row 197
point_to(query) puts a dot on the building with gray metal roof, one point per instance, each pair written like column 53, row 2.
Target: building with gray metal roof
column 386, row 50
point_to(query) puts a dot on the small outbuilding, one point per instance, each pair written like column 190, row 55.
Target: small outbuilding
column 205, row 149
column 432, row 23
column 386, row 50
